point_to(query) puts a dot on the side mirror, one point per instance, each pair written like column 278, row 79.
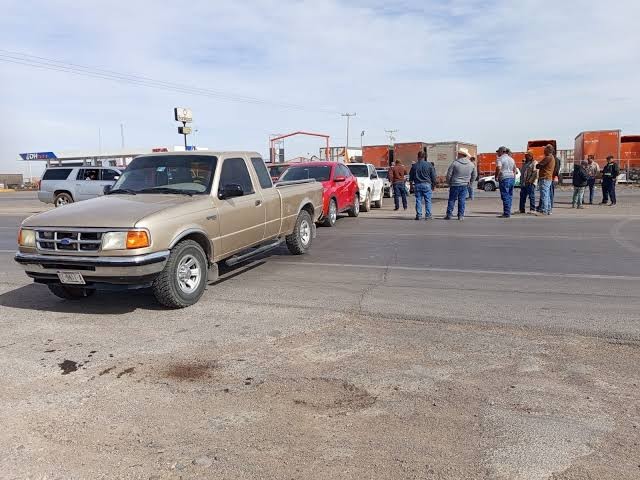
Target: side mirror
column 339, row 179
column 373, row 176
column 231, row 190
column 107, row 189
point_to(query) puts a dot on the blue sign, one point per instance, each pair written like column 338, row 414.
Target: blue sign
column 191, row 148
column 38, row 156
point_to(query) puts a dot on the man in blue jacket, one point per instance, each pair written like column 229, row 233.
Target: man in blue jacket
column 423, row 177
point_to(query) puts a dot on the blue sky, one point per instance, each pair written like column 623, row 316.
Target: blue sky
column 489, row 72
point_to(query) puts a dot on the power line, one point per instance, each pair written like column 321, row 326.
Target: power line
column 33, row 61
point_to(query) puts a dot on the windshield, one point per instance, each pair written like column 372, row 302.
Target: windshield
column 320, row 173
column 359, row 170
column 169, row 174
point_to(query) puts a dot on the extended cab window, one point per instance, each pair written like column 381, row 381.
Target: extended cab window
column 109, row 175
column 235, row 171
column 263, row 174
column 56, row 174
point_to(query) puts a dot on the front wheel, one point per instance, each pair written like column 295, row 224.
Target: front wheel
column 378, row 203
column 332, row 214
column 300, row 239
column 184, row 278
column 489, row 187
column 366, row 206
column 70, row 293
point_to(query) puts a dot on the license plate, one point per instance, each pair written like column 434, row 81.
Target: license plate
column 72, row 278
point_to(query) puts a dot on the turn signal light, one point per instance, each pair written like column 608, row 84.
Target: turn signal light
column 137, row 239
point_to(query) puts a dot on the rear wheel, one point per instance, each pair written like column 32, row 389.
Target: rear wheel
column 366, row 205
column 300, row 239
column 489, row 187
column 355, row 210
column 332, row 214
column 62, row 199
column 184, row 278
column 70, row 293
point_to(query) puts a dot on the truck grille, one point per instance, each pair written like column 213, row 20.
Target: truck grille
column 68, row 241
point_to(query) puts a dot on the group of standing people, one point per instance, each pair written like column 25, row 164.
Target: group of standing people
column 535, row 176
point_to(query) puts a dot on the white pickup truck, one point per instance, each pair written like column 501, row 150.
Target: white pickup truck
column 371, row 186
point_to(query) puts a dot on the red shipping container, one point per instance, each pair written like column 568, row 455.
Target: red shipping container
column 600, row 144
column 487, row 162
column 630, row 151
column 537, row 147
column 407, row 153
column 377, row 155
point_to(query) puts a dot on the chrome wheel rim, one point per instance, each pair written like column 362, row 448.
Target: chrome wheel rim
column 333, row 212
column 189, row 274
column 61, row 201
column 356, row 207
column 305, row 232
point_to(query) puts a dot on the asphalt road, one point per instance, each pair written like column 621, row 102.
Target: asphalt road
column 487, row 348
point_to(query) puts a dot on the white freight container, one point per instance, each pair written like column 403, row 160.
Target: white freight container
column 442, row 154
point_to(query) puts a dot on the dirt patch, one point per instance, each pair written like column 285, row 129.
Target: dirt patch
column 190, row 371
column 69, row 366
column 329, row 394
column 126, row 371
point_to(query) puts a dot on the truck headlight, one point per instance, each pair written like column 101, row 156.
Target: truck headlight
column 125, row 240
column 27, row 238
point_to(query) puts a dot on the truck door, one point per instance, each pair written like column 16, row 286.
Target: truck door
column 271, row 198
column 242, row 218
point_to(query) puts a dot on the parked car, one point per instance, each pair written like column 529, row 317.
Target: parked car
column 166, row 223
column 64, row 185
column 383, row 173
column 340, row 187
column 370, row 185
column 489, row 184
column 276, row 170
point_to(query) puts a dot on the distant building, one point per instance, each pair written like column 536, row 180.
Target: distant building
column 11, row 180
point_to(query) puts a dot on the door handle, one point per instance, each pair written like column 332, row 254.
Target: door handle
column 258, row 203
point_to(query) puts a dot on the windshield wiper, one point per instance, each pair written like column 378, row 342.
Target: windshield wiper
column 168, row 190
column 122, row 190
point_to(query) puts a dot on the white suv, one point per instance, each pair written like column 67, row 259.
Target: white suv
column 370, row 185
column 63, row 185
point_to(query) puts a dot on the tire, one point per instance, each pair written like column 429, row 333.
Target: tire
column 62, row 199
column 355, row 210
column 300, row 240
column 378, row 203
column 332, row 216
column 70, row 293
column 366, row 205
column 184, row 277
column 387, row 192
column 489, row 187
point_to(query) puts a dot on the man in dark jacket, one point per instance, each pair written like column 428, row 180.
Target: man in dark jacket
column 580, row 182
column 396, row 176
column 610, row 174
column 423, row 177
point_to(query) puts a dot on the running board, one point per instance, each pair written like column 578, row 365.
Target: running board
column 252, row 253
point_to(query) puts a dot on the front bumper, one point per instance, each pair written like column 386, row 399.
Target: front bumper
column 128, row 270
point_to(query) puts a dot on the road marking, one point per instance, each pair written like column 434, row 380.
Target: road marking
column 460, row 270
column 7, row 251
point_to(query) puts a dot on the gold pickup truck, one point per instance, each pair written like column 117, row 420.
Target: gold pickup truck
column 166, row 224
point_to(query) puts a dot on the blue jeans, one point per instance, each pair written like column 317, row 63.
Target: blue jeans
column 506, row 194
column 470, row 189
column 423, row 192
column 591, row 183
column 545, row 196
column 527, row 191
column 459, row 194
column 399, row 191
column 552, row 194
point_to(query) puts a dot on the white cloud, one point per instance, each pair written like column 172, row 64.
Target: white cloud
column 490, row 72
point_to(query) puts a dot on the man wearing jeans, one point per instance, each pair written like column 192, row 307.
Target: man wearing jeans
column 592, row 170
column 545, row 169
column 528, row 181
column 458, row 177
column 423, row 177
column 396, row 177
column 506, row 175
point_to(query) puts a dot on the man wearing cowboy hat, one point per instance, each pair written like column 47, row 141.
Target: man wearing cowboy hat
column 458, row 177
column 506, row 176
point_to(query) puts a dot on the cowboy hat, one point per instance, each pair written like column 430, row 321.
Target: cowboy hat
column 464, row 151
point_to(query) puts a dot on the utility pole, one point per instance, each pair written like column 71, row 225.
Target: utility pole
column 348, row 115
column 122, row 135
column 391, row 135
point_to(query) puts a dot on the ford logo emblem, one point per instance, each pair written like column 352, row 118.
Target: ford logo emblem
column 65, row 241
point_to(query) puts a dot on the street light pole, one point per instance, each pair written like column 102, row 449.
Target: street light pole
column 348, row 115
column 361, row 139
